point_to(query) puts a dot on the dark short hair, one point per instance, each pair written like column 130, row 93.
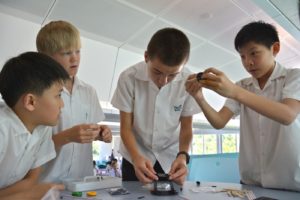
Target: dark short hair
column 170, row 45
column 30, row 72
column 258, row 32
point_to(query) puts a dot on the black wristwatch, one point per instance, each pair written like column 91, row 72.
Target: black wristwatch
column 187, row 156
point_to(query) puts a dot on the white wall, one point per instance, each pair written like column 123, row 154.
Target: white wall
column 101, row 64
column 16, row 36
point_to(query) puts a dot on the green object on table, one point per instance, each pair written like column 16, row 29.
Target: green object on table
column 77, row 194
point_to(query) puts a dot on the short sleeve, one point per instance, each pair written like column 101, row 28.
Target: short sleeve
column 190, row 107
column 291, row 87
column 233, row 105
column 123, row 97
column 46, row 151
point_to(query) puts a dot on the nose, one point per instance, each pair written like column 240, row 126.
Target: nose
column 163, row 80
column 74, row 57
column 248, row 62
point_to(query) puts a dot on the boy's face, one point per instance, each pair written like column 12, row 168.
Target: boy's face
column 259, row 60
column 160, row 73
column 69, row 59
column 48, row 105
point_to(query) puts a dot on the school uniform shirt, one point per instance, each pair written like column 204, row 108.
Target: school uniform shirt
column 157, row 112
column 74, row 160
column 269, row 151
column 20, row 150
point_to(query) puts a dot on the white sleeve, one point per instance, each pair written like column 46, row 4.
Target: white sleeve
column 233, row 105
column 123, row 97
column 46, row 152
column 190, row 107
column 291, row 88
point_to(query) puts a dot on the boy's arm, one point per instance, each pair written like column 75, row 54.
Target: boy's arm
column 218, row 119
column 25, row 184
column 143, row 167
column 34, row 193
column 179, row 170
column 283, row 112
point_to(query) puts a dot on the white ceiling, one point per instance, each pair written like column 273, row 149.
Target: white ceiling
column 211, row 25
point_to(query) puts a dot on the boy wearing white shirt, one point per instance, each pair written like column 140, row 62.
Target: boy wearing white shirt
column 156, row 111
column 30, row 85
column 78, row 127
column 268, row 105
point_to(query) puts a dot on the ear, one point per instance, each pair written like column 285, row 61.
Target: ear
column 276, row 48
column 29, row 102
column 146, row 56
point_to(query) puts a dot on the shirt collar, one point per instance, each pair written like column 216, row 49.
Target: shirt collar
column 16, row 124
column 77, row 83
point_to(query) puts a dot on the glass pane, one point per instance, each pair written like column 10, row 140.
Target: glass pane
column 210, row 144
column 197, row 147
column 229, row 143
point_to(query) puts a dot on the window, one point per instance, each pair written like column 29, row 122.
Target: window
column 215, row 142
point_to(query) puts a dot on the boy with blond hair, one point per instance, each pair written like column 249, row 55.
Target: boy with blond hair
column 78, row 127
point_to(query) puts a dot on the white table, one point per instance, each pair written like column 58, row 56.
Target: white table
column 138, row 192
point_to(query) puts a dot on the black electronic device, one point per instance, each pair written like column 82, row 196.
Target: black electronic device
column 163, row 186
column 199, row 76
column 264, row 198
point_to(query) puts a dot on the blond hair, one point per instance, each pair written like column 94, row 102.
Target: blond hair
column 56, row 36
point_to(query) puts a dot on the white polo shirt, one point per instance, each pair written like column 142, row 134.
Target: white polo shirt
column 269, row 151
column 74, row 160
column 156, row 112
column 21, row 151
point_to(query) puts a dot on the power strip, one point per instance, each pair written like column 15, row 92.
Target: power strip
column 92, row 183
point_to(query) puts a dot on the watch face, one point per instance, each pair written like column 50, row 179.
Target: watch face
column 163, row 186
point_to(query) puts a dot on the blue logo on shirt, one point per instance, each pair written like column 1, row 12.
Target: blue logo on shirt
column 177, row 108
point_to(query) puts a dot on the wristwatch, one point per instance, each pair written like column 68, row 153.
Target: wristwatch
column 187, row 156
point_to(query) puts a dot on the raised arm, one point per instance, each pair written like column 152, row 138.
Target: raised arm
column 218, row 119
column 283, row 112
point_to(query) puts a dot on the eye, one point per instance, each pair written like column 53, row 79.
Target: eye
column 67, row 53
column 172, row 76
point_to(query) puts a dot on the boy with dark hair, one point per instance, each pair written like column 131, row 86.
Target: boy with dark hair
column 268, row 105
column 78, row 127
column 30, row 85
column 156, row 111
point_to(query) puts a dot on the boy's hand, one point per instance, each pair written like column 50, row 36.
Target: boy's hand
column 84, row 133
column 217, row 81
column 194, row 87
column 144, row 170
column 178, row 170
column 105, row 134
column 37, row 191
